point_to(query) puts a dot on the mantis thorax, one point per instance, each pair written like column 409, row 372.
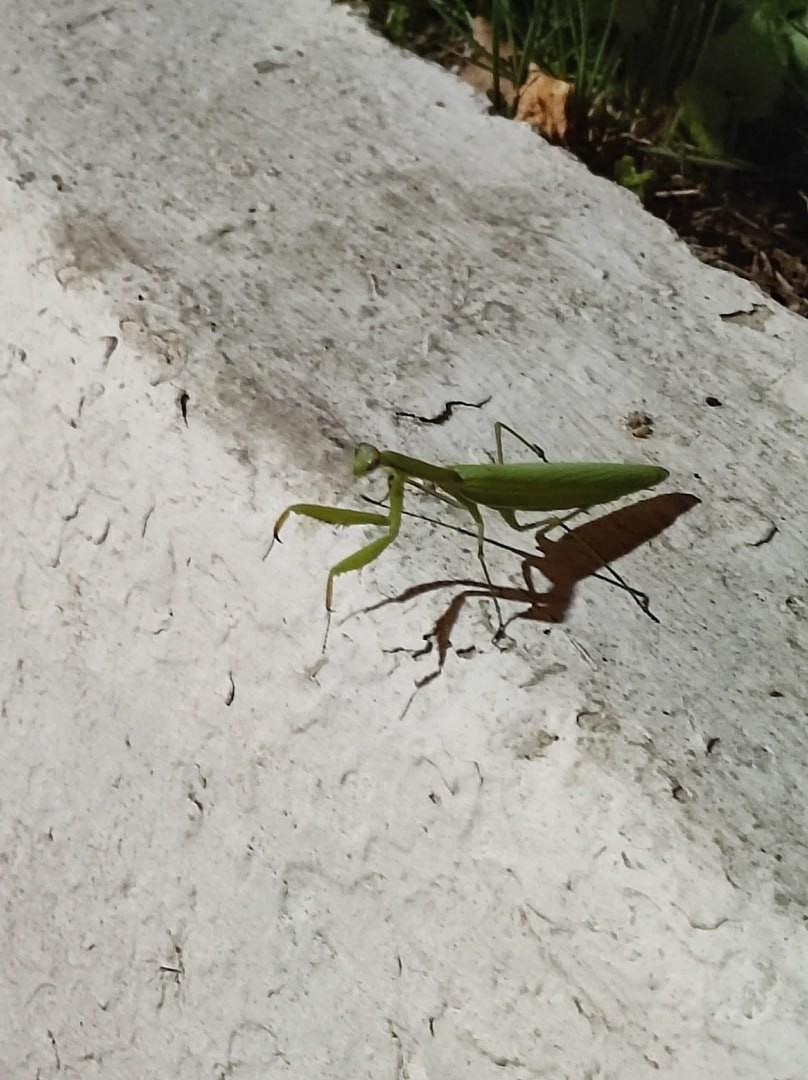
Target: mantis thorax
column 366, row 459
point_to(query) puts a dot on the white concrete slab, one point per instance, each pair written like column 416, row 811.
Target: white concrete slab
column 583, row 856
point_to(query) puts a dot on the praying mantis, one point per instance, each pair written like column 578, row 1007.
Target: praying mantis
column 506, row 487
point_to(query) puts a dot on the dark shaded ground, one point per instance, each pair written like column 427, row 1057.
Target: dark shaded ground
column 754, row 229
column 745, row 223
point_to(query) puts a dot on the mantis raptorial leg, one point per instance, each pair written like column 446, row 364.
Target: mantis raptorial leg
column 335, row 515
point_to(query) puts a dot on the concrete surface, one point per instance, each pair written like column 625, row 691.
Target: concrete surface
column 580, row 856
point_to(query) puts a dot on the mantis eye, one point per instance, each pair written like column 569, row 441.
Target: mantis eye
column 366, row 458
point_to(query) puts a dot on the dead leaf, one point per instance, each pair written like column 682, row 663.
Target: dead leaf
column 545, row 103
column 483, row 33
column 480, row 77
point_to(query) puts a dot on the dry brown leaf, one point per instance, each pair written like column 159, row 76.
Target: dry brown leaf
column 479, row 77
column 483, row 33
column 545, row 103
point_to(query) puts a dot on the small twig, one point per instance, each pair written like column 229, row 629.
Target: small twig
column 444, row 414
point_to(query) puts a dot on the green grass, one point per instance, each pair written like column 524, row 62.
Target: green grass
column 659, row 84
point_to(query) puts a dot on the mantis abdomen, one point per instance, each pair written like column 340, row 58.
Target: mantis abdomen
column 556, row 485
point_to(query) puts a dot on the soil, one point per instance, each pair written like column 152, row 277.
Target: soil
column 751, row 228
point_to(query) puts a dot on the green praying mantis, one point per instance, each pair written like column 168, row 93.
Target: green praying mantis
column 506, row 487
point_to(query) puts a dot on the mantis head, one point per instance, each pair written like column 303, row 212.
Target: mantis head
column 366, row 459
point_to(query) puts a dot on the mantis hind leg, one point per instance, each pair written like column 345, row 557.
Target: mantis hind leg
column 546, row 524
column 499, row 427
column 542, row 526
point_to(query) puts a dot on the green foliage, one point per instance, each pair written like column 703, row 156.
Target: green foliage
column 628, row 176
column 401, row 20
column 741, row 80
column 396, row 23
column 716, row 78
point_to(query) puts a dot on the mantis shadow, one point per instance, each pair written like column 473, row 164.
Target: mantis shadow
column 581, row 553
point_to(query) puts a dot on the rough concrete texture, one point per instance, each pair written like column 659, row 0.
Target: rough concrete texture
column 583, row 855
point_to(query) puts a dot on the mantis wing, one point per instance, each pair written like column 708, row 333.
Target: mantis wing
column 556, row 485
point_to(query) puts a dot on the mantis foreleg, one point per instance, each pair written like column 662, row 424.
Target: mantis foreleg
column 332, row 515
column 374, row 549
column 338, row 515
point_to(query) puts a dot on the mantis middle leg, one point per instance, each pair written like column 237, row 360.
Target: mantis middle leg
column 472, row 508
